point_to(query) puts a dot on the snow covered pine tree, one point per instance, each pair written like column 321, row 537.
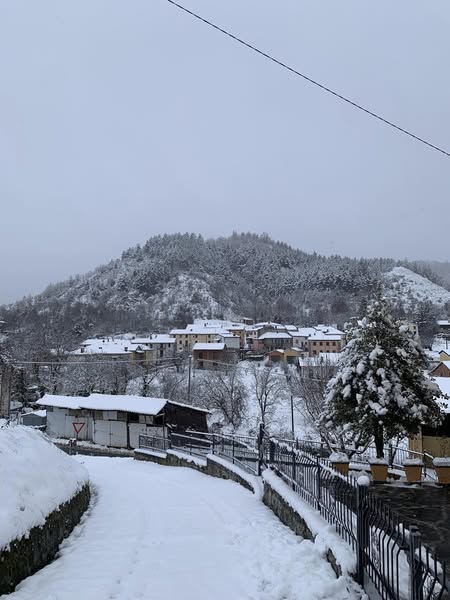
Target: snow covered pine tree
column 379, row 391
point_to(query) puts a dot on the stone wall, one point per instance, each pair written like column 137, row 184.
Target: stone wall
column 26, row 556
column 215, row 469
column 285, row 512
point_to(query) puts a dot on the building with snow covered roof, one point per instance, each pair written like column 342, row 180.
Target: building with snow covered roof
column 110, row 347
column 441, row 370
column 117, row 421
column 212, row 355
column 275, row 340
column 164, row 345
column 193, row 334
column 289, row 356
column 436, row 440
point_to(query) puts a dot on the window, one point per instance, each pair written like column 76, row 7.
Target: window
column 146, row 419
column 321, row 343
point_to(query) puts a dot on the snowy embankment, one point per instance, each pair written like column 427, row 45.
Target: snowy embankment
column 325, row 535
column 36, row 478
column 156, row 533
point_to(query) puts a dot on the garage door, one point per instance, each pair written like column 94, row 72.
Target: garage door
column 110, row 433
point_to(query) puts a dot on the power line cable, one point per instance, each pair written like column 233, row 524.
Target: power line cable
column 309, row 79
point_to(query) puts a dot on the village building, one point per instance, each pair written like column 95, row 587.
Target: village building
column 300, row 337
column 192, row 334
column 318, row 366
column 163, row 345
column 322, row 341
column 444, row 325
column 108, row 347
column 275, row 340
column 289, row 356
column 211, row 355
column 444, row 355
column 436, row 440
column 117, row 421
column 233, row 342
column 441, row 370
column 35, row 418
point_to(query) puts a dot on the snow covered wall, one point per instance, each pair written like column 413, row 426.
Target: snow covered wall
column 43, row 494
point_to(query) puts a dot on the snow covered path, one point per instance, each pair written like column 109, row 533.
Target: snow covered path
column 158, row 533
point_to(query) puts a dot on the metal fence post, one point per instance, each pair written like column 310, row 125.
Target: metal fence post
column 318, row 482
column 232, row 448
column 390, row 455
column 271, row 451
column 361, row 533
column 294, row 469
column 260, row 448
column 212, row 444
column 415, row 565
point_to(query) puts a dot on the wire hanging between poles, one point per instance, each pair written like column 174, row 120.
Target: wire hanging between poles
column 310, row 79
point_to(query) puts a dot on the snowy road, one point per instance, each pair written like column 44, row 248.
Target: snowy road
column 160, row 533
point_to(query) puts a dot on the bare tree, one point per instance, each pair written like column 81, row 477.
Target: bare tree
column 269, row 389
column 226, row 392
column 308, row 388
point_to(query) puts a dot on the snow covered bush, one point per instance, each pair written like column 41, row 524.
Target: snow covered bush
column 380, row 390
column 36, row 479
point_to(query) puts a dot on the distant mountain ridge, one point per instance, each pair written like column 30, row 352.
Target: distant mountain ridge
column 172, row 279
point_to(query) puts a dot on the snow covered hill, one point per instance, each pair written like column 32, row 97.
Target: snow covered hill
column 408, row 288
column 173, row 279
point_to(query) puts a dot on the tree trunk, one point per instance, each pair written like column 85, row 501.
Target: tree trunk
column 379, row 442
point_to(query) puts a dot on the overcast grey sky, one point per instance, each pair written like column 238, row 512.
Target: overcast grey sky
column 124, row 119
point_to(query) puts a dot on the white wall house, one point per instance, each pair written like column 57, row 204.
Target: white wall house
column 117, row 421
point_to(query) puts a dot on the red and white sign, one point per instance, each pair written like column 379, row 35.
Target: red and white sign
column 78, row 426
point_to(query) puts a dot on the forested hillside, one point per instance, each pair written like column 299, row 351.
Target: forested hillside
column 173, row 278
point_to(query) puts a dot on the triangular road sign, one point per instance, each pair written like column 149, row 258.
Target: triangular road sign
column 78, row 426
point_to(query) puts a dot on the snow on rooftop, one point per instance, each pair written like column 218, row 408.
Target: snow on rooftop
column 302, row 332
column 275, row 335
column 104, row 346
column 133, row 404
column 155, row 339
column 208, row 346
column 197, row 330
column 321, row 335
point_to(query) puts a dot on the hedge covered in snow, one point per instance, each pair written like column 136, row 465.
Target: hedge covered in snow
column 36, row 478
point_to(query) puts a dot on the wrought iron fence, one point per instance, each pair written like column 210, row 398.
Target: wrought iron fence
column 395, row 455
column 392, row 561
column 153, row 442
column 238, row 449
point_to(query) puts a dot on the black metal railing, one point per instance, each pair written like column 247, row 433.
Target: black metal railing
column 391, row 558
column 153, row 442
column 237, row 449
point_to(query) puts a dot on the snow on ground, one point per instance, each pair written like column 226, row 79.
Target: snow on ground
column 157, row 533
column 35, row 478
column 405, row 285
